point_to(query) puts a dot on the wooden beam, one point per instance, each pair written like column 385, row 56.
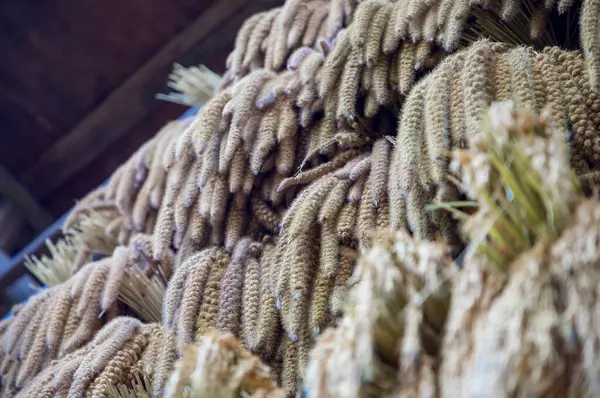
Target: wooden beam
column 12, row 225
column 133, row 100
column 4, row 259
column 21, row 198
column 16, row 266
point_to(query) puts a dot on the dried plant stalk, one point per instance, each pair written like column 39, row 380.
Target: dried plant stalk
column 220, row 367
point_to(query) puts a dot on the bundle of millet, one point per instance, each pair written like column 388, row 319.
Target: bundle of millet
column 240, row 154
column 515, row 320
column 193, row 86
column 520, row 303
column 343, row 218
column 191, row 304
column 120, row 352
column 392, row 324
column 443, row 112
column 60, row 319
column 320, row 233
column 212, row 290
column 363, row 69
column 220, row 367
column 86, row 238
column 267, row 39
column 381, row 25
column 389, row 44
column 52, row 324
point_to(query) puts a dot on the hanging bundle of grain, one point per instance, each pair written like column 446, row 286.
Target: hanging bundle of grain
column 389, row 45
column 392, row 327
column 248, row 218
column 240, row 154
column 443, row 112
column 192, row 86
column 320, row 233
column 343, row 218
column 514, row 320
column 51, row 325
column 121, row 354
column 220, row 367
column 212, row 290
column 63, row 318
column 237, row 294
column 267, row 39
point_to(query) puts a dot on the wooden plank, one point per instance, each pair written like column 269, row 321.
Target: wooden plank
column 22, row 198
column 12, row 225
column 4, row 259
column 129, row 103
column 16, row 266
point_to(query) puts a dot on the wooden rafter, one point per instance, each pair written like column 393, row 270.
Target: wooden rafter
column 134, row 100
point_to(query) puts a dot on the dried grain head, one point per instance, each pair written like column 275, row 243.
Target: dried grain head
column 395, row 312
column 403, row 38
column 518, row 172
column 193, row 86
column 220, row 367
column 105, row 360
column 45, row 339
column 136, row 388
column 523, row 320
column 122, row 368
column 59, row 264
column 267, row 39
column 144, row 280
column 474, row 78
column 513, row 328
column 510, row 301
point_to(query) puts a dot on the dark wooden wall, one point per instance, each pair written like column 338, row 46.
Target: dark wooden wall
column 78, row 79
